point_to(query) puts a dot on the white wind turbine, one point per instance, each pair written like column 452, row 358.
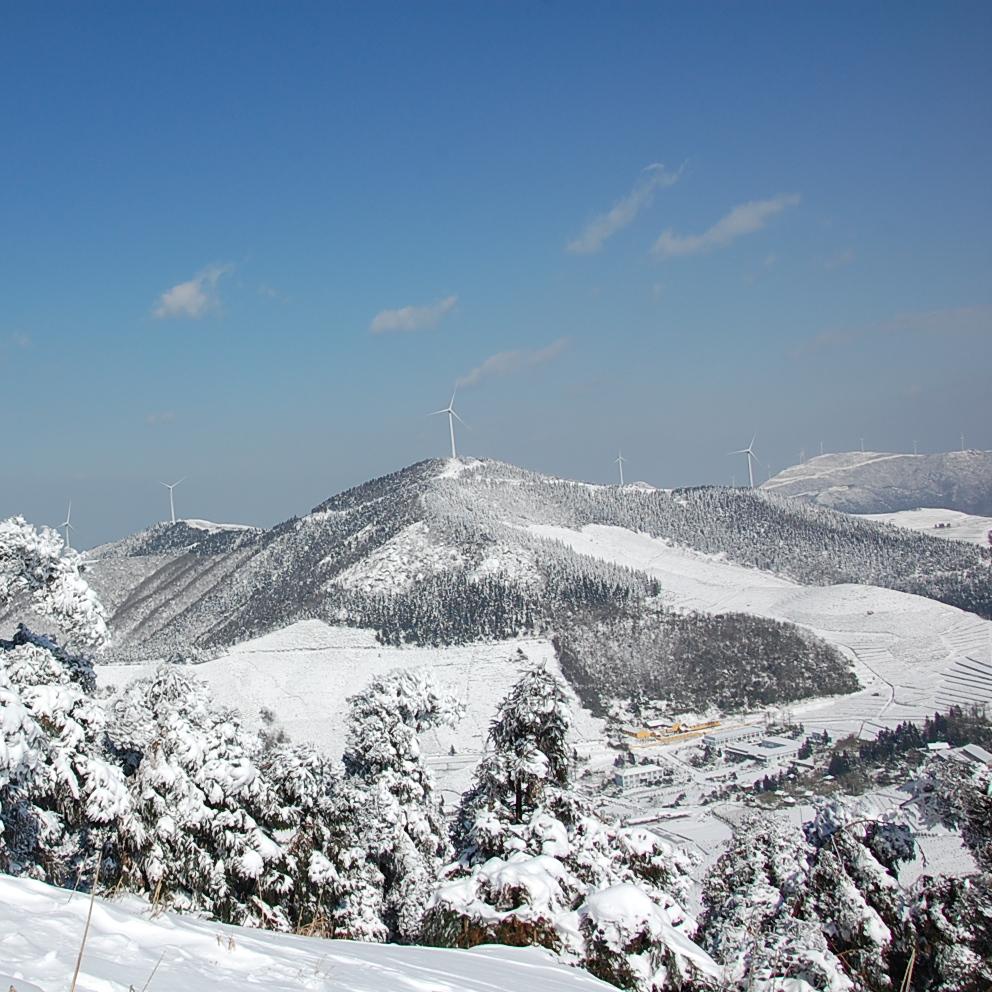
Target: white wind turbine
column 172, row 503
column 452, row 417
column 751, row 456
column 620, row 460
column 68, row 526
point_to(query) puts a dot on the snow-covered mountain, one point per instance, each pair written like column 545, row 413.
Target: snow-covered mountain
column 875, row 482
column 450, row 551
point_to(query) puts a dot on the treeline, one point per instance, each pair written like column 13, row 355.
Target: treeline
column 693, row 661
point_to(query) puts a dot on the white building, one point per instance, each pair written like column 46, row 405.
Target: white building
column 764, row 749
column 639, row 776
column 721, row 738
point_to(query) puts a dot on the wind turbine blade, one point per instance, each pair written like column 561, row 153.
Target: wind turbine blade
column 436, row 413
column 459, row 419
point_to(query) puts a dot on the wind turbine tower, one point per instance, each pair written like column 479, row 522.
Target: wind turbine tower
column 172, row 502
column 452, row 417
column 751, row 458
column 68, row 526
column 620, row 460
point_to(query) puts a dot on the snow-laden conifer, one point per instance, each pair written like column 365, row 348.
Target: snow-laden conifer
column 406, row 819
column 337, row 889
column 36, row 562
column 202, row 830
column 536, row 865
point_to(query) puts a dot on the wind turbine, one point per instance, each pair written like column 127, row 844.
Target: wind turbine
column 619, row 461
column 172, row 503
column 749, row 451
column 68, row 526
column 452, row 417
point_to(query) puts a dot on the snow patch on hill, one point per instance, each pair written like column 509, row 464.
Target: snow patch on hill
column 404, row 559
column 41, row 928
column 963, row 526
column 305, row 673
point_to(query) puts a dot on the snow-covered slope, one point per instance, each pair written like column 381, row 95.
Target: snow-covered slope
column 128, row 947
column 952, row 525
column 904, row 646
column 306, row 672
column 879, row 482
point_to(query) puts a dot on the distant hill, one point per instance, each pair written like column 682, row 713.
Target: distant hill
column 873, row 482
column 447, row 552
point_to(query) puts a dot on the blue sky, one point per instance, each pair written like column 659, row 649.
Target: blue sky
column 254, row 244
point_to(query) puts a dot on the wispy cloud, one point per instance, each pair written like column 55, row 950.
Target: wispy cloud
column 508, row 362
column 840, row 259
column 412, row 318
column 624, row 211
column 160, row 417
column 929, row 323
column 744, row 219
column 16, row 340
column 194, row 298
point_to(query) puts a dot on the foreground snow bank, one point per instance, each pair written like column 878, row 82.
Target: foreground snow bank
column 41, row 926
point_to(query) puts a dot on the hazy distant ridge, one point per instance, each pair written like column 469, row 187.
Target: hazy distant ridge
column 874, row 482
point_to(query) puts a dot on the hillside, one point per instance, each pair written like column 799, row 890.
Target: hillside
column 873, row 482
column 447, row 552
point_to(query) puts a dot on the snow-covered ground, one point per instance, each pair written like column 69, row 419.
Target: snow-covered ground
column 902, row 645
column 963, row 526
column 41, row 928
column 306, row 672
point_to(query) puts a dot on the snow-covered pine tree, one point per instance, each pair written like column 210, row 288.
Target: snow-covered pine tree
column 537, row 866
column 853, row 891
column 58, row 790
column 201, row 833
column 36, row 563
column 405, row 815
column 337, row 889
column 953, row 916
column 750, row 923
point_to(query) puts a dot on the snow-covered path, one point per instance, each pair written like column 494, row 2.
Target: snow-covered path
column 41, row 928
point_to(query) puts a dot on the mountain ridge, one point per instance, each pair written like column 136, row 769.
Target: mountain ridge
column 446, row 551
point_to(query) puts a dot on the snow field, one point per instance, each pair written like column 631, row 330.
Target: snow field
column 305, row 673
column 41, row 928
column 964, row 526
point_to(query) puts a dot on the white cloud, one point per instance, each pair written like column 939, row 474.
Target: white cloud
column 744, row 219
column 507, row 362
column 412, row 318
column 192, row 299
column 600, row 228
